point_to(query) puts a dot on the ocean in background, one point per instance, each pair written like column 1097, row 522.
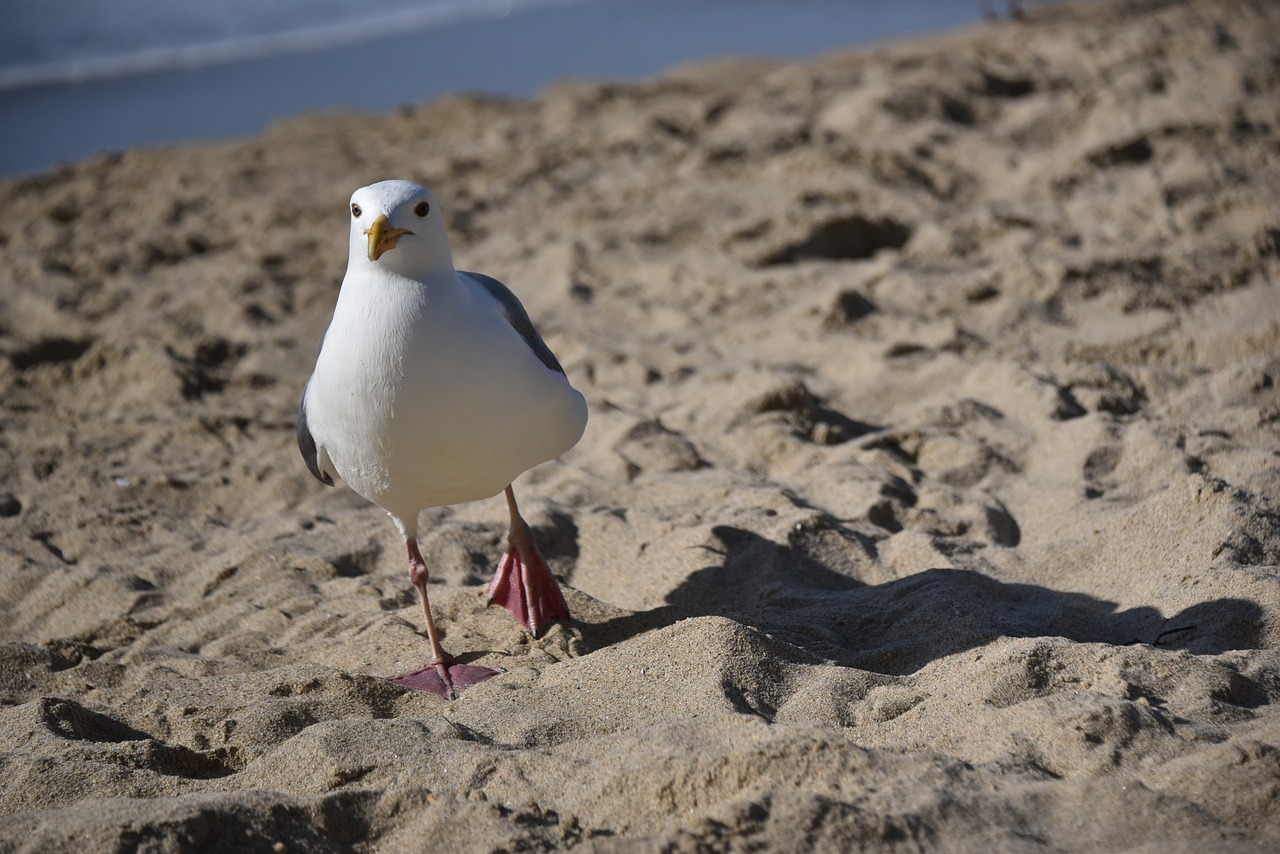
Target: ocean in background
column 100, row 76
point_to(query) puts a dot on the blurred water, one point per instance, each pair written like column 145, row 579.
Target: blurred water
column 97, row 75
column 91, row 39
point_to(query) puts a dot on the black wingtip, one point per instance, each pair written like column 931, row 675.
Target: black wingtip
column 307, row 444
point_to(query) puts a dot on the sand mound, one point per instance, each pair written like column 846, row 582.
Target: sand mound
column 930, row 499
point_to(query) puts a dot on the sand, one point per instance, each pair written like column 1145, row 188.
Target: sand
column 930, row 498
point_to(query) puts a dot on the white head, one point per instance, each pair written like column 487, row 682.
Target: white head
column 397, row 225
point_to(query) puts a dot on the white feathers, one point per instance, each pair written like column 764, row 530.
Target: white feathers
column 431, row 386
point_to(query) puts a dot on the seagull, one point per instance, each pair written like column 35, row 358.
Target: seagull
column 432, row 387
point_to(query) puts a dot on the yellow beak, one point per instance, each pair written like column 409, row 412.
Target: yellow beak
column 382, row 237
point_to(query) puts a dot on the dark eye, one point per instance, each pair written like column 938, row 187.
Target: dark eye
column 355, row 210
column 422, row 208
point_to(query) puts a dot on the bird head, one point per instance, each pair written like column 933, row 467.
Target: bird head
column 399, row 226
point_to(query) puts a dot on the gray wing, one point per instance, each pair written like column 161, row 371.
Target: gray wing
column 307, row 443
column 515, row 314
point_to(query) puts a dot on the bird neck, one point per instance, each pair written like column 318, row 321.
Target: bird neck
column 411, row 265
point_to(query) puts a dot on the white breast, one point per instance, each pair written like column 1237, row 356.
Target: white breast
column 424, row 395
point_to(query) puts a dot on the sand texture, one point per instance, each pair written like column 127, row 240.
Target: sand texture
column 930, row 498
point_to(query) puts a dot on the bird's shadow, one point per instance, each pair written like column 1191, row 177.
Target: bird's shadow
column 899, row 626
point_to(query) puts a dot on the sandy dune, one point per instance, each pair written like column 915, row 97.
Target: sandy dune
column 930, row 498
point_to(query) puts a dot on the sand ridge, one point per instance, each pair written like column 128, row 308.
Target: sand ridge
column 930, row 497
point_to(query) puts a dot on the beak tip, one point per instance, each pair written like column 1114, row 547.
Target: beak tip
column 383, row 237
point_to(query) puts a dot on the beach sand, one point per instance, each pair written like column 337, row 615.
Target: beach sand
column 930, row 498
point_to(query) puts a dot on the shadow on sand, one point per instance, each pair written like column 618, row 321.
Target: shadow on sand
column 900, row 626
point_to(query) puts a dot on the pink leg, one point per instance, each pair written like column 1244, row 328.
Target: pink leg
column 443, row 675
column 523, row 584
